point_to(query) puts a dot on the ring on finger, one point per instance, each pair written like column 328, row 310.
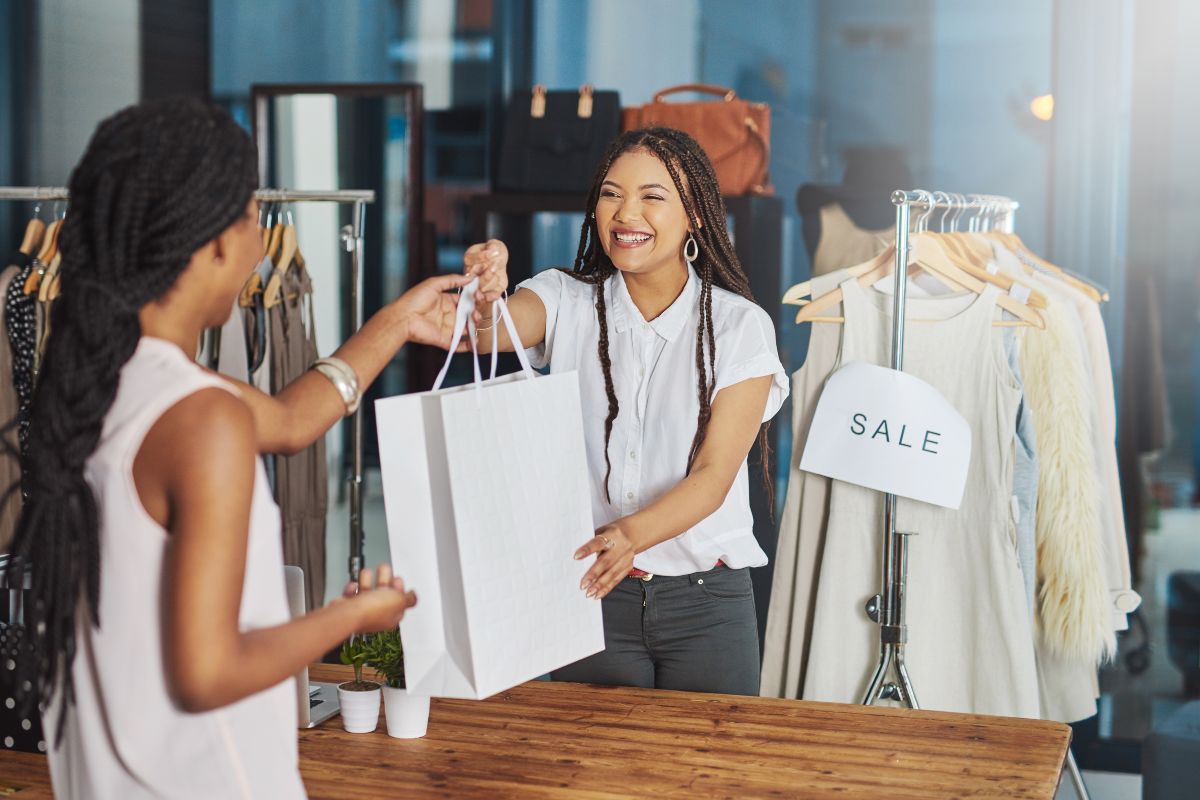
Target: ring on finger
column 608, row 543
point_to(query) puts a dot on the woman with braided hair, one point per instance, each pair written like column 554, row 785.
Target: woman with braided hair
column 161, row 641
column 678, row 373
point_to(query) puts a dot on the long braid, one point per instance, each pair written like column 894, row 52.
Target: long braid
column 158, row 182
column 694, row 178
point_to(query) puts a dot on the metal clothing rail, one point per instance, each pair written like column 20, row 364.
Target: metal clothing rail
column 991, row 212
column 887, row 608
column 352, row 237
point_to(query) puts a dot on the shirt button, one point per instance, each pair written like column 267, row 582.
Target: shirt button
column 629, row 496
column 642, row 372
column 633, row 455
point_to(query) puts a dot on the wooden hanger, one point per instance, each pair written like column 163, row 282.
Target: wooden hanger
column 266, row 212
column 962, row 255
column 273, row 293
column 1013, row 242
column 795, row 295
column 49, row 289
column 253, row 286
column 34, row 232
column 927, row 253
column 44, row 257
column 977, row 253
column 275, row 243
column 868, row 272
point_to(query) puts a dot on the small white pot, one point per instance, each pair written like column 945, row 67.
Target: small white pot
column 360, row 710
column 407, row 714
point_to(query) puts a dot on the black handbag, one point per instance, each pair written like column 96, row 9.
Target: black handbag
column 553, row 141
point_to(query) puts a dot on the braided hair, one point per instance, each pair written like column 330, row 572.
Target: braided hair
column 158, row 181
column 717, row 263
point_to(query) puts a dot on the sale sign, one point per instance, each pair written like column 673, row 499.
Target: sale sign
column 892, row 432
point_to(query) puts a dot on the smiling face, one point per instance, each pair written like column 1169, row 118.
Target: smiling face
column 640, row 217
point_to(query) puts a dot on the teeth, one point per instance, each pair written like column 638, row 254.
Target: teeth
column 633, row 237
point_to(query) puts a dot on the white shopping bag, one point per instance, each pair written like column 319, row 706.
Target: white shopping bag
column 487, row 498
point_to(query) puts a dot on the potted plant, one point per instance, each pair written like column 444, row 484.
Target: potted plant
column 359, row 699
column 407, row 714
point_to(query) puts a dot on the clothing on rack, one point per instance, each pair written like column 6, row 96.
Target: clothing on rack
column 254, row 323
column 1026, row 472
column 844, row 244
column 1037, row 516
column 1088, row 361
column 801, row 546
column 301, row 480
column 10, row 409
column 20, row 320
column 26, row 326
column 269, row 348
column 971, row 646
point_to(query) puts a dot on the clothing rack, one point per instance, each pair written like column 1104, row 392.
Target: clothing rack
column 353, row 238
column 992, row 212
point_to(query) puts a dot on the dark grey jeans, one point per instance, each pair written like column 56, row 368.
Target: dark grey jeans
column 695, row 633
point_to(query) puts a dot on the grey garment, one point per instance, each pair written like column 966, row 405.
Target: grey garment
column 692, row 633
column 301, row 482
column 232, row 359
column 1025, row 481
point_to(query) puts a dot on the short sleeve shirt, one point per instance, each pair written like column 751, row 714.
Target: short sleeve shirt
column 655, row 379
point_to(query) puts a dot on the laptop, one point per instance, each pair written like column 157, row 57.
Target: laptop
column 315, row 702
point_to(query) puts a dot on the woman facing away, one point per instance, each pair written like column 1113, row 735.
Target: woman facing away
column 161, row 639
column 679, row 374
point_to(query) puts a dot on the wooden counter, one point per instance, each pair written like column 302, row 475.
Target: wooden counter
column 559, row 740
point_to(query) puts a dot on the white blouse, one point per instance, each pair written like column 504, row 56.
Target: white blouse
column 655, row 378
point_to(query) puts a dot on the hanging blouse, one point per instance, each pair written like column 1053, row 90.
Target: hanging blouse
column 20, row 319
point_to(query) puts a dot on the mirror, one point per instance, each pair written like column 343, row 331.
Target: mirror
column 350, row 136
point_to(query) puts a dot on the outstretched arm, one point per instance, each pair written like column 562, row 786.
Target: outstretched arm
column 737, row 414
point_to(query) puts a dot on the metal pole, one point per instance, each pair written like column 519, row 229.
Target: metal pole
column 354, row 243
column 271, row 195
column 34, row 193
column 888, row 606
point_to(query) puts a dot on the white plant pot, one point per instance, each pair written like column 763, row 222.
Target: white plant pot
column 360, row 710
column 407, row 714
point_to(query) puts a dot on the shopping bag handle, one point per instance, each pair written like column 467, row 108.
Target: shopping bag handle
column 464, row 325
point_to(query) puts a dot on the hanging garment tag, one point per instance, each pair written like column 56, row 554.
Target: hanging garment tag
column 891, row 432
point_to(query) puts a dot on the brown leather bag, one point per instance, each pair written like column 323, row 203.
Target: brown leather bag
column 735, row 133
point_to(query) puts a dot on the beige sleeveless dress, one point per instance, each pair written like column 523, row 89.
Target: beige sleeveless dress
column 844, row 244
column 970, row 642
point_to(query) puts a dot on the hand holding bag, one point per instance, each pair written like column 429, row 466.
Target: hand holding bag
column 735, row 133
column 487, row 495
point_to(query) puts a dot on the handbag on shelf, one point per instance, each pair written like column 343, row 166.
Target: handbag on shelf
column 553, row 140
column 735, row 133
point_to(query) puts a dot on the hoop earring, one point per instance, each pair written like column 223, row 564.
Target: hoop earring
column 691, row 249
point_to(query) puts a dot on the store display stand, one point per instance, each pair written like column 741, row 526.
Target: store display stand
column 887, row 607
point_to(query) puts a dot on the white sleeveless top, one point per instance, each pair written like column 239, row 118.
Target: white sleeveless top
column 124, row 736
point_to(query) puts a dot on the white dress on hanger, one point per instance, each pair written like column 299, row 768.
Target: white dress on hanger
column 970, row 643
